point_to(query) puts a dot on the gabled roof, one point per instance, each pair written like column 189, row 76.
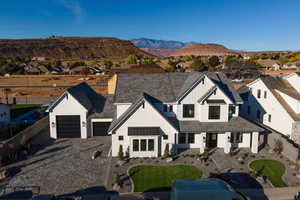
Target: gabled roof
column 207, row 94
column 144, row 97
column 167, row 87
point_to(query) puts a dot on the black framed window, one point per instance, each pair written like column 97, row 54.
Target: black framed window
column 258, row 93
column 121, row 137
column 270, row 118
column 265, row 94
column 135, row 145
column 165, row 137
column 143, row 145
column 232, row 109
column 150, row 145
column 181, row 138
column 191, row 138
column 214, row 112
column 188, row 110
column 170, row 108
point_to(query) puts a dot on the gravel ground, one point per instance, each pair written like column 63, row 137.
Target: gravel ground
column 65, row 166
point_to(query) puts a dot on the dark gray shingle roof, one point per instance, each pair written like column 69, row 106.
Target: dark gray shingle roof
column 235, row 124
column 167, row 87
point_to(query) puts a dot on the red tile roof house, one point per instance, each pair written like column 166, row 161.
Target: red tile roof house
column 148, row 111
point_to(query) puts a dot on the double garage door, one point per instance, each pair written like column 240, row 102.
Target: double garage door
column 68, row 126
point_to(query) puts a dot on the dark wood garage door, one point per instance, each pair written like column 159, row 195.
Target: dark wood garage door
column 68, row 126
column 100, row 128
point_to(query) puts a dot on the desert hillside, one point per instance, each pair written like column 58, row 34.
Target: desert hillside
column 203, row 50
column 69, row 48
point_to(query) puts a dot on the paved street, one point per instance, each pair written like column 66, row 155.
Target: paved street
column 65, row 166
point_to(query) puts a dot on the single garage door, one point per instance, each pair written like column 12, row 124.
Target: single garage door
column 68, row 126
column 100, row 128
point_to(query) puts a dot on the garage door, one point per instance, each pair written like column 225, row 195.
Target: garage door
column 68, row 126
column 100, row 128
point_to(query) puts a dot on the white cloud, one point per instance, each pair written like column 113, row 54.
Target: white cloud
column 75, row 8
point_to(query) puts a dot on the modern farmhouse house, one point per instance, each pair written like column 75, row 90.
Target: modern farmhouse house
column 275, row 102
column 149, row 111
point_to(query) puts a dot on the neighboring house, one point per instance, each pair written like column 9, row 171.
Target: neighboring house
column 4, row 113
column 275, row 102
column 269, row 64
column 150, row 112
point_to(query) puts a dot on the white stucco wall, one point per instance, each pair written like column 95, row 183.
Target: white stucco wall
column 293, row 103
column 143, row 117
column 4, row 113
column 294, row 80
column 68, row 106
column 121, row 108
column 281, row 120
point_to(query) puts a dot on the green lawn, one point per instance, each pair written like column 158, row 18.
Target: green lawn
column 154, row 178
column 19, row 109
column 272, row 169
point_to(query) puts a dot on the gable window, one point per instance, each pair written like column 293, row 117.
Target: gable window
column 258, row 114
column 150, row 145
column 265, row 94
column 188, row 110
column 121, row 138
column 269, row 118
column 181, row 138
column 135, row 145
column 258, row 93
column 165, row 137
column 191, row 138
column 214, row 112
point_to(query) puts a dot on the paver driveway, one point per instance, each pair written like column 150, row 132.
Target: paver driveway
column 65, row 166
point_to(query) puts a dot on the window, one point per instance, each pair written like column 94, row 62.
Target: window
column 249, row 110
column 121, row 137
column 269, row 118
column 188, row 110
column 258, row 93
column 232, row 109
column 181, row 138
column 258, row 114
column 150, row 145
column 165, row 137
column 143, row 145
column 136, row 145
column 165, row 108
column 265, row 94
column 191, row 138
column 170, row 108
column 236, row 138
column 214, row 112
column 250, row 91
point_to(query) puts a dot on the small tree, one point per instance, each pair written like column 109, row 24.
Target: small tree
column 214, row 61
column 85, row 71
column 278, row 147
column 167, row 151
column 132, row 59
column 108, row 64
column 121, row 153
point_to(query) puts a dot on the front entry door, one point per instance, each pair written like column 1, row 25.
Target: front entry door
column 212, row 140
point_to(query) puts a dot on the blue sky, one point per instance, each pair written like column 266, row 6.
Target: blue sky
column 238, row 24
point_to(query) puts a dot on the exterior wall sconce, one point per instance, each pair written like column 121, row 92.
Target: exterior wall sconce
column 53, row 124
column 228, row 139
column 204, row 138
column 83, row 124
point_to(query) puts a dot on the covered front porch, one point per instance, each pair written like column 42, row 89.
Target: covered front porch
column 224, row 140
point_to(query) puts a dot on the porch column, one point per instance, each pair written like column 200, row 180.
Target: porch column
column 254, row 144
column 202, row 142
column 227, row 142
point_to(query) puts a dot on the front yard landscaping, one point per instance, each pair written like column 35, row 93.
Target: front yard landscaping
column 272, row 169
column 155, row 178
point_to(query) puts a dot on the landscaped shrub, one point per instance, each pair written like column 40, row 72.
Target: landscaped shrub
column 278, row 147
column 121, row 153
